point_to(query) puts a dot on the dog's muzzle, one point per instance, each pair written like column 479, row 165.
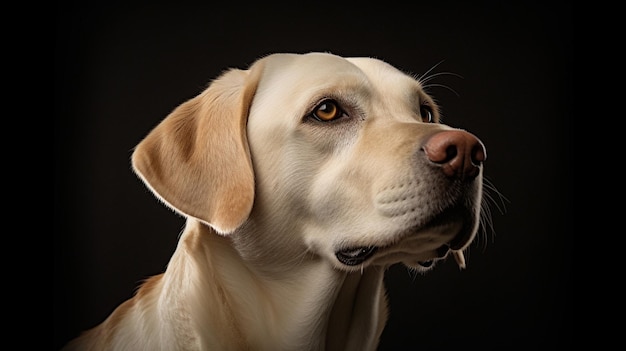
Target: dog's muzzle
column 457, row 156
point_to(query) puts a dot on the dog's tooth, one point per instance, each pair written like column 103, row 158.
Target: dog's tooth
column 459, row 258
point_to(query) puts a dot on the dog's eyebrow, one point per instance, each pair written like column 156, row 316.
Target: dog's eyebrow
column 424, row 97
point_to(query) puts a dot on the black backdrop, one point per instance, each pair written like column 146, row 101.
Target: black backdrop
column 121, row 69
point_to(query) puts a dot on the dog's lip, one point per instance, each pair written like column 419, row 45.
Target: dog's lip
column 355, row 255
column 442, row 251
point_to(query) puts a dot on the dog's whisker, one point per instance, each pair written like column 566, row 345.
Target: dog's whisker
column 490, row 187
column 425, row 75
column 426, row 87
column 413, row 273
column 427, row 79
column 486, row 225
column 486, row 215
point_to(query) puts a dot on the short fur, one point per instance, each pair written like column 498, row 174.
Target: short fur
column 291, row 221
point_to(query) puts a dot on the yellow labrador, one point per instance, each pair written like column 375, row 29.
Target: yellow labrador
column 302, row 179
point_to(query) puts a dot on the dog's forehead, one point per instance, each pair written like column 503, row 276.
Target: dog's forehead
column 384, row 73
column 316, row 69
column 303, row 71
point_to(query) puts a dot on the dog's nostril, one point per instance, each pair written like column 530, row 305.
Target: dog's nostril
column 458, row 152
column 451, row 152
column 478, row 153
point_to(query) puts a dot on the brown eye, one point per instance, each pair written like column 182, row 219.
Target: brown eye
column 427, row 114
column 327, row 110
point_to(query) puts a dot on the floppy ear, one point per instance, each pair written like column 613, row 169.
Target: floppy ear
column 197, row 160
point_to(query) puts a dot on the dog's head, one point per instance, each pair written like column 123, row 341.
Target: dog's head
column 322, row 156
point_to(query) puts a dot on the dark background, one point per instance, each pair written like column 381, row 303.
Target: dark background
column 120, row 69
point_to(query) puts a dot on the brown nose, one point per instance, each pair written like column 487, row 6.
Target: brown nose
column 458, row 152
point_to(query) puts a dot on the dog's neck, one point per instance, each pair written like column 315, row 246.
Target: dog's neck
column 311, row 306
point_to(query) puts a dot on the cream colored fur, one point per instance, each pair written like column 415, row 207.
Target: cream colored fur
column 271, row 195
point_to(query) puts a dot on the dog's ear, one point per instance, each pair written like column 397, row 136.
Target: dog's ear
column 197, row 159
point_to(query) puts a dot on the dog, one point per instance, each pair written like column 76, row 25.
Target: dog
column 302, row 179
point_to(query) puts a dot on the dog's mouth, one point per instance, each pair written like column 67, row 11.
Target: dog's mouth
column 419, row 250
column 358, row 255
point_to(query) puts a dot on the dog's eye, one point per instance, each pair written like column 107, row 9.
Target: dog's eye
column 327, row 110
column 427, row 114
